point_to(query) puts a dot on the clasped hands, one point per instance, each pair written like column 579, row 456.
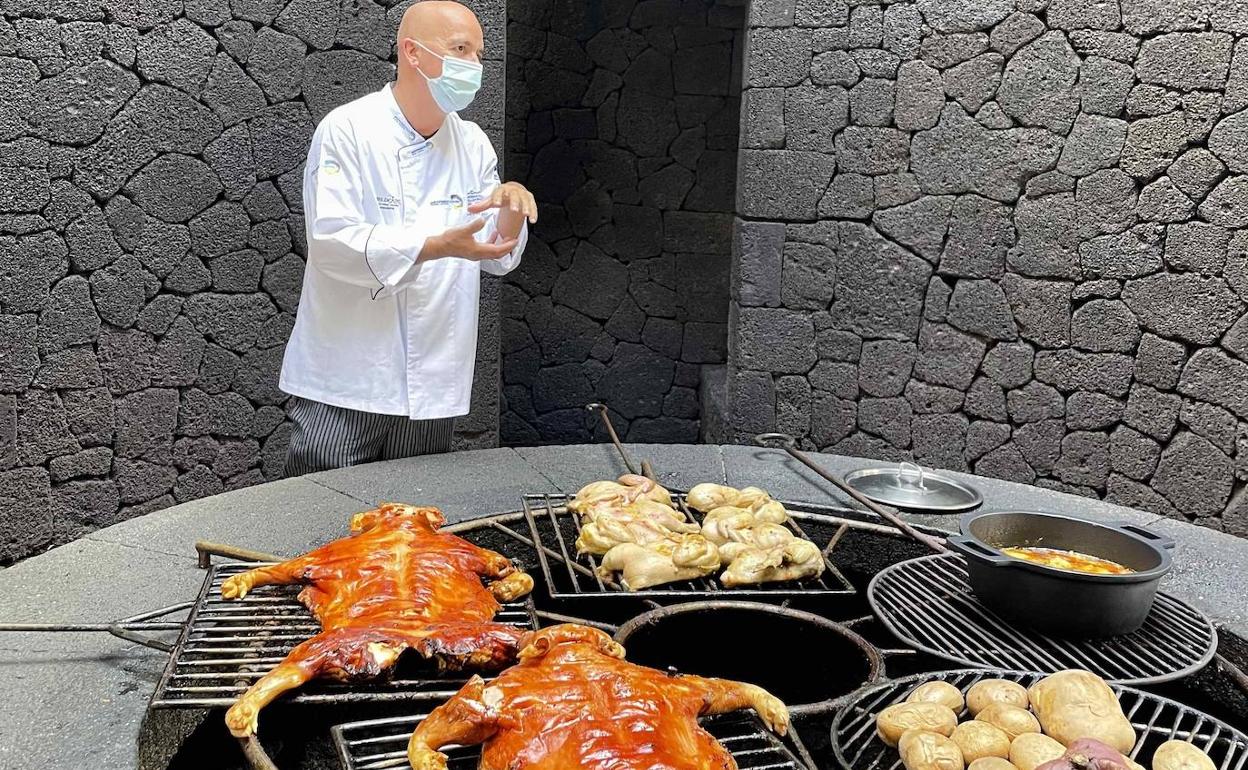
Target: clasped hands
column 515, row 204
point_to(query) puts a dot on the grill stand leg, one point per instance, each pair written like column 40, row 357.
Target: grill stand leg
column 256, row 756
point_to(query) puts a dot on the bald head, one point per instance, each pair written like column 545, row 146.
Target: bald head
column 446, row 27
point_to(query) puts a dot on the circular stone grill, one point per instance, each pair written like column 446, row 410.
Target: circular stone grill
column 815, row 658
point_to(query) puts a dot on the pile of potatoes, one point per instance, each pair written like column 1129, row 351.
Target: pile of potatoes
column 1070, row 720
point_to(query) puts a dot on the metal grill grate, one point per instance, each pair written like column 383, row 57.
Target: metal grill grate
column 570, row 575
column 928, row 603
column 1156, row 720
column 228, row 644
column 382, row 743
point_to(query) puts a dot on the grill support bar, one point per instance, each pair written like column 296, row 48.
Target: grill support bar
column 789, row 445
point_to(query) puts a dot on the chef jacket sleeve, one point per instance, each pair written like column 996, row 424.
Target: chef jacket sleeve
column 489, row 180
column 341, row 242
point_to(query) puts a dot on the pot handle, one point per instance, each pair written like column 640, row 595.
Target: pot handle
column 973, row 549
column 1161, row 541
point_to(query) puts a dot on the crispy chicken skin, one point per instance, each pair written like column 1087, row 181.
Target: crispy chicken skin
column 573, row 702
column 395, row 583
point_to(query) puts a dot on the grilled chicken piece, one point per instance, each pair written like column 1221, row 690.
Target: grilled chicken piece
column 710, row 497
column 627, row 489
column 792, row 560
column 728, row 524
column 395, row 584
column 601, row 536
column 574, row 702
column 634, row 510
column 666, row 561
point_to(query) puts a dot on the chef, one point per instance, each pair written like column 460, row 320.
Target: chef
column 403, row 209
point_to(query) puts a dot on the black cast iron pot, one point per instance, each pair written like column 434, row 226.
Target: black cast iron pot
column 1055, row 601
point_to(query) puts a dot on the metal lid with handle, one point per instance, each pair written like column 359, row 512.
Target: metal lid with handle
column 910, row 486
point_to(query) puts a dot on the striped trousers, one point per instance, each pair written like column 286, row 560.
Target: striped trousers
column 327, row 437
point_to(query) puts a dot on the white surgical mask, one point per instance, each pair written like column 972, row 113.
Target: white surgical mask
column 459, row 82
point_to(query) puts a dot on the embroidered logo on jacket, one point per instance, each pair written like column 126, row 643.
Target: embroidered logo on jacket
column 387, row 202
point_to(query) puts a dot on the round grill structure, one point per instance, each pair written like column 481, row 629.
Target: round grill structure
column 928, row 604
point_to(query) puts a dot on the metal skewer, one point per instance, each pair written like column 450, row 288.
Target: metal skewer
column 787, row 443
column 646, row 469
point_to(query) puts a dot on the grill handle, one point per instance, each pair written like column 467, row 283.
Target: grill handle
column 206, row 550
column 787, row 443
column 974, row 549
column 1161, row 541
column 601, row 409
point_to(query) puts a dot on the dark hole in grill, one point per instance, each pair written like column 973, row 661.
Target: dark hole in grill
column 803, row 659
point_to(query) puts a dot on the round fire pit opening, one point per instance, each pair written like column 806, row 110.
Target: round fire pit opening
column 803, row 659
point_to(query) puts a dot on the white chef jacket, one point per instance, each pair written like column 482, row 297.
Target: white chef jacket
column 376, row 330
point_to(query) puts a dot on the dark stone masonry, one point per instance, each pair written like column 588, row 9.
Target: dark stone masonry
column 151, row 250
column 1002, row 236
column 622, row 118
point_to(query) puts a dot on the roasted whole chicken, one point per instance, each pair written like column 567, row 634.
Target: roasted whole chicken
column 574, row 702
column 395, row 583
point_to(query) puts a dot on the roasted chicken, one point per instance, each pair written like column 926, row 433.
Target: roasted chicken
column 633, row 510
column 709, row 497
column 395, row 584
column 683, row 557
column 796, row 559
column 574, row 702
column 747, row 527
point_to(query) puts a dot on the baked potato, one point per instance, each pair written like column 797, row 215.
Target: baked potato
column 1181, row 755
column 924, row 750
column 980, row 739
column 1078, row 704
column 938, row 692
column 1014, row 721
column 991, row 763
column 1031, row 750
column 895, row 720
column 989, row 691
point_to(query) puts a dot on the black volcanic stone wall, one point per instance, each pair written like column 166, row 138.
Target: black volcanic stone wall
column 1003, row 236
column 151, row 249
column 622, row 117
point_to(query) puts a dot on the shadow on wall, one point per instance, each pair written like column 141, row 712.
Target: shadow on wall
column 1002, row 236
column 150, row 243
column 622, row 117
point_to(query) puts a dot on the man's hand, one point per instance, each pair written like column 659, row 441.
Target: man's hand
column 461, row 242
column 509, row 196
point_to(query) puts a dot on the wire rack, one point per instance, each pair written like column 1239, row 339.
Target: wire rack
column 226, row 645
column 571, row 575
column 928, row 604
column 1156, row 720
column 382, row 743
